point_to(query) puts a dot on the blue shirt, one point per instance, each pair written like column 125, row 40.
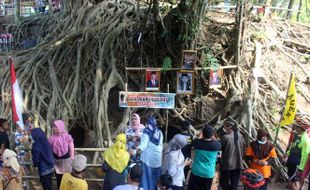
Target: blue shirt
column 18, row 136
column 151, row 153
column 205, row 157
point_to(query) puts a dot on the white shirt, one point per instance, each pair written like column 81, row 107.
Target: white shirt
column 176, row 167
column 127, row 187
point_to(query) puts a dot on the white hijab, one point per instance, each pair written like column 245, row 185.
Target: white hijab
column 10, row 160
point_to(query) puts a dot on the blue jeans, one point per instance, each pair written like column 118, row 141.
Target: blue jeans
column 150, row 177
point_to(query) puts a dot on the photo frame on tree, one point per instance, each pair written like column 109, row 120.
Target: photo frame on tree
column 185, row 82
column 152, row 80
column 188, row 59
column 215, row 79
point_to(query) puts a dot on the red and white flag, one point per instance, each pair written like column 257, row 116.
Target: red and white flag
column 17, row 97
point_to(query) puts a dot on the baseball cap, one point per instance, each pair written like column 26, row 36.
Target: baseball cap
column 79, row 163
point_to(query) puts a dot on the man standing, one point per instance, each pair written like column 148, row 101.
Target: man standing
column 232, row 153
column 206, row 149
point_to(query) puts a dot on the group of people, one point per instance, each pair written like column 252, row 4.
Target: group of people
column 50, row 155
column 139, row 160
column 224, row 149
column 40, row 5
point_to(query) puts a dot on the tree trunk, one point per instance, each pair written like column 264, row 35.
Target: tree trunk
column 240, row 25
column 299, row 10
column 192, row 14
column 289, row 12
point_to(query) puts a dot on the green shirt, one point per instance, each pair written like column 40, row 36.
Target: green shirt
column 304, row 145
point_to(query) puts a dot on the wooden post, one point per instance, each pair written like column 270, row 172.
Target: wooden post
column 278, row 128
column 50, row 5
column 126, row 87
column 167, row 118
column 17, row 10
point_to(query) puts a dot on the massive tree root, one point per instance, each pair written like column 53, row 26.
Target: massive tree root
column 73, row 71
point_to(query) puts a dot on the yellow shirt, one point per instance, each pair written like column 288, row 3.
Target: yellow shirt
column 70, row 182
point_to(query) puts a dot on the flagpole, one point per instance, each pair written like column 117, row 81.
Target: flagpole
column 12, row 112
column 282, row 113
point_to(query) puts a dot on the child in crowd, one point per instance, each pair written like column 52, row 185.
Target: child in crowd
column 20, row 138
column 75, row 179
column 27, row 119
column 134, row 177
column 164, row 182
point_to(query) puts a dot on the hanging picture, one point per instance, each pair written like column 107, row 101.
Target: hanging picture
column 215, row 80
column 185, row 82
column 152, row 80
column 188, row 59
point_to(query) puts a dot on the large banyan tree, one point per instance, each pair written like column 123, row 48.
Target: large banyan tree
column 77, row 68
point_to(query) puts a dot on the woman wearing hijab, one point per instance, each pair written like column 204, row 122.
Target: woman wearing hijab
column 42, row 157
column 63, row 149
column 260, row 153
column 11, row 177
column 116, row 159
column 177, row 162
column 151, row 152
column 134, row 132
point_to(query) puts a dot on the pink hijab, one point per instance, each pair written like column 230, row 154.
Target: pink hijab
column 61, row 141
column 136, row 126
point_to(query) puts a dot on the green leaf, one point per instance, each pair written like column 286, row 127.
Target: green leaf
column 167, row 63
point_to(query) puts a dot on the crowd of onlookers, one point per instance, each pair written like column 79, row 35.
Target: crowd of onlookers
column 50, row 155
column 140, row 160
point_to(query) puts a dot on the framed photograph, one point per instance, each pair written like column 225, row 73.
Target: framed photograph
column 152, row 80
column 216, row 77
column 122, row 99
column 188, row 59
column 185, row 82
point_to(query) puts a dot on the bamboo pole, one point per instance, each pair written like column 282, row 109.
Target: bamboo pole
column 167, row 118
column 282, row 113
column 54, row 178
column 177, row 69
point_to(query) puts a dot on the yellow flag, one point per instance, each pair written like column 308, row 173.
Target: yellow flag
column 290, row 104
